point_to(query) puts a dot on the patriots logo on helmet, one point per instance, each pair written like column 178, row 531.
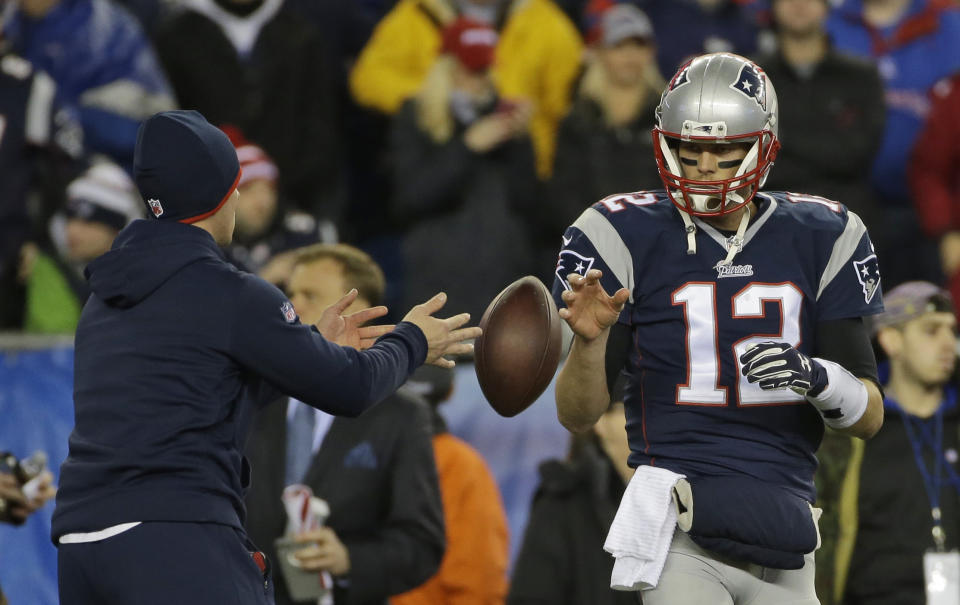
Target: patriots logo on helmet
column 681, row 77
column 288, row 311
column 155, row 207
column 571, row 262
column 868, row 273
column 750, row 83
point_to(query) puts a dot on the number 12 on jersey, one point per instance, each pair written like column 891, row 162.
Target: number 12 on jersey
column 699, row 302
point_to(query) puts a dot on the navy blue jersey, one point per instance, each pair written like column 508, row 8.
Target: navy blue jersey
column 805, row 260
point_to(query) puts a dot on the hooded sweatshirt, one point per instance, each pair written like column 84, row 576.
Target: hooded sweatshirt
column 174, row 351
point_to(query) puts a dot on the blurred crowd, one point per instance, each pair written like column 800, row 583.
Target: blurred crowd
column 454, row 140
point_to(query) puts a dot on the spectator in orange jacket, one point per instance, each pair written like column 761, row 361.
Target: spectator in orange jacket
column 933, row 173
column 474, row 568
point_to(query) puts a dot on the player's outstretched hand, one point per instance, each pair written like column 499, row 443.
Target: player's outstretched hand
column 590, row 310
column 349, row 330
column 444, row 336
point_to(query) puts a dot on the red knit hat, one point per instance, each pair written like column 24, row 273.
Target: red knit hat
column 254, row 161
column 471, row 42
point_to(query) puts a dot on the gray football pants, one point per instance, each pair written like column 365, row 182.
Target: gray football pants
column 694, row 576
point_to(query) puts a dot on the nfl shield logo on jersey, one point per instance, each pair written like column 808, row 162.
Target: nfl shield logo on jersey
column 288, row 311
column 571, row 262
column 868, row 272
column 155, row 207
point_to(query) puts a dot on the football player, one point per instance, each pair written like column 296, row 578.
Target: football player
column 737, row 315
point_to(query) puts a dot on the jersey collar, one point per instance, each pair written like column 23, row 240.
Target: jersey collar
column 723, row 241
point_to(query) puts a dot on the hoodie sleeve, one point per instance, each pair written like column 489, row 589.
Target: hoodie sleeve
column 267, row 338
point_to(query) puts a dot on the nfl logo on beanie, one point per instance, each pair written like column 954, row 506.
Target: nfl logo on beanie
column 155, row 207
column 186, row 162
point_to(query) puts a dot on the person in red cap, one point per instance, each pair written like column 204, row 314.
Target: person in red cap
column 463, row 175
column 258, row 191
column 538, row 58
column 268, row 227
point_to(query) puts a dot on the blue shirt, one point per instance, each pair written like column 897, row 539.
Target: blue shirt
column 104, row 67
column 909, row 70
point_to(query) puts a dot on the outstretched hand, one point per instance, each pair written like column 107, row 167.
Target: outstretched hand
column 444, row 336
column 349, row 330
column 590, row 310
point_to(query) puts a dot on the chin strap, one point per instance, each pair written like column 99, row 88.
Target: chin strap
column 736, row 245
column 691, row 232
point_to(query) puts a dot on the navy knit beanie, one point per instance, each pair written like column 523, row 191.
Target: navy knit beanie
column 185, row 168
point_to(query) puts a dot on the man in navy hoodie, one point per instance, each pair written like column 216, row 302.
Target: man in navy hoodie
column 175, row 350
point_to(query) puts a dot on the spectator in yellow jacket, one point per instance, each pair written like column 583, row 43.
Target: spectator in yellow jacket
column 537, row 58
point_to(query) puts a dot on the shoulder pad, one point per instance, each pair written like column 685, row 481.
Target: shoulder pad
column 812, row 210
column 619, row 202
column 637, row 211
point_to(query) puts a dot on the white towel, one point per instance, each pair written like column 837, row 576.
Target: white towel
column 641, row 533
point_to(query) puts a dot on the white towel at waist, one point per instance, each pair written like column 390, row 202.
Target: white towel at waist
column 642, row 530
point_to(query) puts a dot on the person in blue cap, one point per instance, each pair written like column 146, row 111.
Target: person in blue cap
column 174, row 352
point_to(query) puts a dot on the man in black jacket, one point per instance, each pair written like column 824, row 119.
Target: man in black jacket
column 831, row 112
column 175, row 350
column 466, row 184
column 562, row 561
column 250, row 64
column 900, row 500
column 604, row 143
column 376, row 472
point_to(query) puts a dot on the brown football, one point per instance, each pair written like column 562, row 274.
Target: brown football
column 518, row 353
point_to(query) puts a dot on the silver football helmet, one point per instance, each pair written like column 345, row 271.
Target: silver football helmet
column 717, row 98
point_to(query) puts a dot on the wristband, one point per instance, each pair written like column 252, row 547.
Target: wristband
column 844, row 400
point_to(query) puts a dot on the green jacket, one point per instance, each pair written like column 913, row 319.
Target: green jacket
column 52, row 306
